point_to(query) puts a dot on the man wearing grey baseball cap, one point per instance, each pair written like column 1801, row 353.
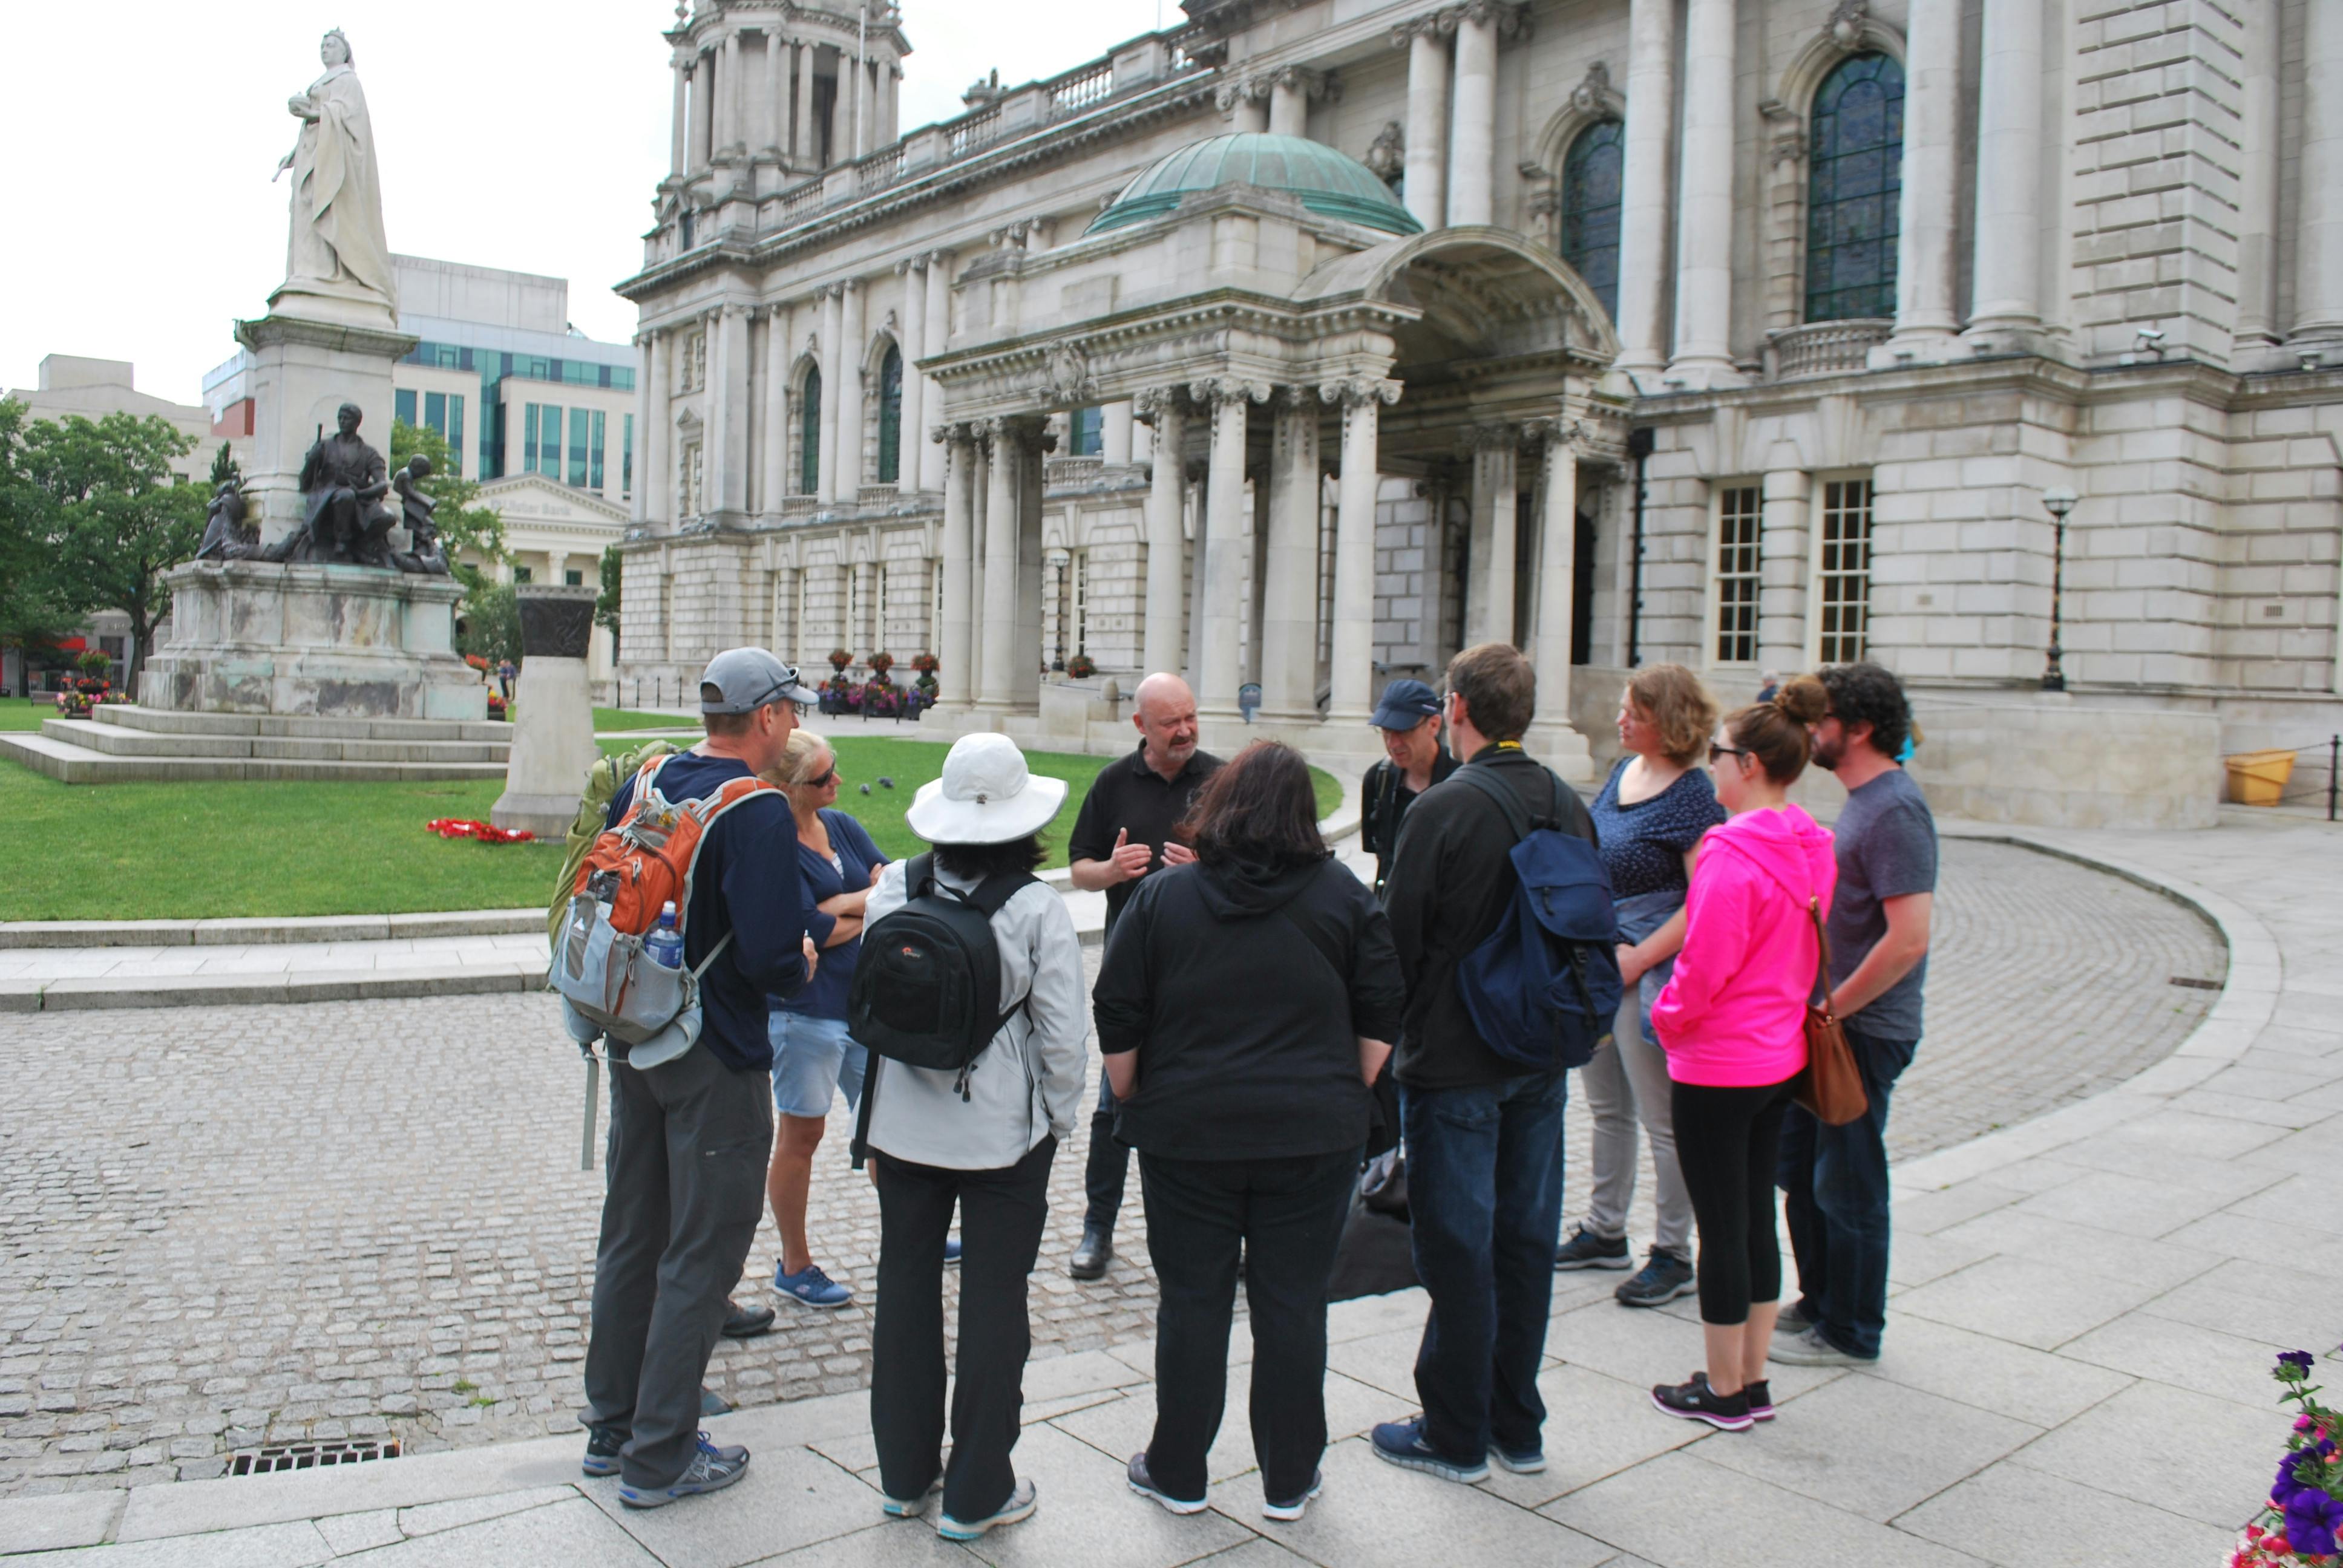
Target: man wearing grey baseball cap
column 689, row 1136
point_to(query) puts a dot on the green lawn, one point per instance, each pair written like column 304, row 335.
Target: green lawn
column 629, row 718
column 16, row 713
column 163, row 850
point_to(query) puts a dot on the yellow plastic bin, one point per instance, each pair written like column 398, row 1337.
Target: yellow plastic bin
column 2258, row 778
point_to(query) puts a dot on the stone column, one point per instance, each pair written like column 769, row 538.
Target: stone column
column 1424, row 187
column 1114, row 432
column 716, row 414
column 1289, row 619
column 841, row 113
column 676, row 141
column 863, row 635
column 788, row 634
column 774, row 467
column 2318, row 232
column 914, row 347
column 1782, row 567
column 958, row 445
column 997, row 635
column 1703, row 354
column 646, row 373
column 806, row 146
column 1472, row 151
column 1166, row 493
column 1924, row 318
column 776, row 93
column 1228, row 542
column 1555, row 603
column 1648, row 176
column 1245, row 103
column 2257, row 241
column 654, row 466
column 2008, row 260
column 1352, row 675
column 729, row 96
column 1032, row 450
column 832, row 372
column 701, row 73
column 1289, row 103
column 849, row 391
column 1489, row 598
column 938, row 330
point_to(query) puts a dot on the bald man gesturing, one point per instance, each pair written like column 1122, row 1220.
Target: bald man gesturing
column 1123, row 833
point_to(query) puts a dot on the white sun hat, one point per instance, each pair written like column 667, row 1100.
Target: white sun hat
column 986, row 794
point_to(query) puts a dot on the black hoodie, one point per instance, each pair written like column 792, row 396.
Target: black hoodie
column 1244, row 989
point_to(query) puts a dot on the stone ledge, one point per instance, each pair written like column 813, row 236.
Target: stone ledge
column 92, row 994
column 254, row 931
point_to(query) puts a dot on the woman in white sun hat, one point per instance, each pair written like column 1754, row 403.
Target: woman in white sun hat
column 982, row 1141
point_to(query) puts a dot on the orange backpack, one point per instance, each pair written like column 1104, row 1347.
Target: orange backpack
column 648, row 859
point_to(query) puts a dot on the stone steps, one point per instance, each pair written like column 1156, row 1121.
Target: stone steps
column 116, row 740
column 70, row 763
column 165, row 721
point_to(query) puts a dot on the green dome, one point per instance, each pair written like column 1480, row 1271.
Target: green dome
column 1329, row 183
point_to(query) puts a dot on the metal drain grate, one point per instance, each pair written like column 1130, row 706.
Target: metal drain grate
column 2193, row 983
column 280, row 1456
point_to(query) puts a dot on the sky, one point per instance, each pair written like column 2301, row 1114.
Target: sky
column 143, row 221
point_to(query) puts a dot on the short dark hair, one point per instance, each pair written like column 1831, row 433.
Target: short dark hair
column 1867, row 693
column 1257, row 807
column 978, row 861
column 727, row 723
column 1499, row 687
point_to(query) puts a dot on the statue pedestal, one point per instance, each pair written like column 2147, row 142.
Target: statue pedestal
column 305, row 368
column 553, row 730
column 256, row 636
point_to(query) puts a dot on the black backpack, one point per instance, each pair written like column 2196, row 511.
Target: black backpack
column 927, row 989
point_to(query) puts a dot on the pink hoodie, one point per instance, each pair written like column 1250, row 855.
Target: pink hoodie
column 1734, row 1015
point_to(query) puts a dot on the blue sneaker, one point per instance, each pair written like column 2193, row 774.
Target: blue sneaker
column 712, row 1469
column 1020, row 1505
column 1520, row 1460
column 809, row 1287
column 951, row 1252
column 1401, row 1443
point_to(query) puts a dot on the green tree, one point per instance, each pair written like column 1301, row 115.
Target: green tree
column 474, row 540
column 31, row 615
column 118, row 514
column 490, row 627
column 606, row 607
column 224, row 469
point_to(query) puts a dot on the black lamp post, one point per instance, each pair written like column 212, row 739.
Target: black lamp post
column 1058, row 560
column 2058, row 500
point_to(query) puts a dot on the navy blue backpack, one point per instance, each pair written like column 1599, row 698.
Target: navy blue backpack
column 1544, row 987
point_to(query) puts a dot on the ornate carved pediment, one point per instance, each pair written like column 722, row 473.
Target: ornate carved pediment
column 1066, row 377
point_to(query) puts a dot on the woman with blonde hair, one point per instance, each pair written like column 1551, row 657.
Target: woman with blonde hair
column 1649, row 817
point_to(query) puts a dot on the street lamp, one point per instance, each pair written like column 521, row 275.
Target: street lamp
column 1058, row 560
column 2058, row 500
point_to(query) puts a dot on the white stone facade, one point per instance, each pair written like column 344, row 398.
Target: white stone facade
column 2117, row 268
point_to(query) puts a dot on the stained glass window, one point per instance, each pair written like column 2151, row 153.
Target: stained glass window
column 1852, row 187
column 1590, row 209
column 890, row 418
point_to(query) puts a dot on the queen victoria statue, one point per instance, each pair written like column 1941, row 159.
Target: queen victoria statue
column 337, row 252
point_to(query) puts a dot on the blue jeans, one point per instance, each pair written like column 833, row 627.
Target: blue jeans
column 1834, row 1185
column 1484, row 1200
column 810, row 1054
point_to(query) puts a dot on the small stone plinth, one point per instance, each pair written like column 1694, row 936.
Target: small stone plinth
column 337, row 641
column 553, row 730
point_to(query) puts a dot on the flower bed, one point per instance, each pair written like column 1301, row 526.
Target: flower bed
column 2304, row 1518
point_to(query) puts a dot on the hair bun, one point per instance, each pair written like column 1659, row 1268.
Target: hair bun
column 1802, row 698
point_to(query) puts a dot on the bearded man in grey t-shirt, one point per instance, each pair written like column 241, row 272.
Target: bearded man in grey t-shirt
column 1835, row 1178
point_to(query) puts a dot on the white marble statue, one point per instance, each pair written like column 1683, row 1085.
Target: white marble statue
column 336, row 248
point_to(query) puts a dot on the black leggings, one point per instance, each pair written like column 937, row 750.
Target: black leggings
column 1727, row 1141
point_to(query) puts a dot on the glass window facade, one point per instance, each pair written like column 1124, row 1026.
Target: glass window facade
column 594, row 454
column 494, row 368
column 1853, row 188
column 455, row 431
column 627, row 457
column 1085, row 427
column 890, row 418
column 1843, row 576
column 402, row 405
column 581, row 441
column 810, row 434
column 1591, row 187
column 1736, row 575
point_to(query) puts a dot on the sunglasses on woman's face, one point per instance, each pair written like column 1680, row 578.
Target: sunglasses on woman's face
column 825, row 782
column 1716, row 750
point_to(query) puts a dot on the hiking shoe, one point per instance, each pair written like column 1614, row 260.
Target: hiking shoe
column 1760, row 1398
column 1662, row 1279
column 746, row 1323
column 1520, row 1460
column 1587, row 1250
column 1144, row 1484
column 809, row 1287
column 602, row 1446
column 1693, row 1399
column 895, row 1508
column 1401, row 1443
column 1020, row 1505
column 1287, row 1512
column 1095, row 1252
column 951, row 1252
column 1810, row 1349
column 1792, row 1321
column 712, row 1469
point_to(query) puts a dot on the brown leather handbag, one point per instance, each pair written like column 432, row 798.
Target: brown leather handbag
column 1831, row 1086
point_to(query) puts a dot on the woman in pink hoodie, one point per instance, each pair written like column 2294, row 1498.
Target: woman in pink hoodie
column 1733, row 1022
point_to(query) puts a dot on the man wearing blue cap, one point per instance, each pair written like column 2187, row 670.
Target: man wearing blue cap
column 1409, row 717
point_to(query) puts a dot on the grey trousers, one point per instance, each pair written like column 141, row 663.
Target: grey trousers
column 1627, row 1080
column 688, row 1145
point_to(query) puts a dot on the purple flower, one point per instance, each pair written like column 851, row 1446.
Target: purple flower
column 2286, row 1485
column 2312, row 1519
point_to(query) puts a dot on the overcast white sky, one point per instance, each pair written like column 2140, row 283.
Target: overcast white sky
column 141, row 220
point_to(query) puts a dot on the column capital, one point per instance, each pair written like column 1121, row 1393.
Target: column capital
column 1216, row 390
column 1352, row 390
column 851, row 285
column 1431, row 24
column 1147, row 405
column 1027, row 431
column 1510, row 17
column 910, row 265
column 1492, row 435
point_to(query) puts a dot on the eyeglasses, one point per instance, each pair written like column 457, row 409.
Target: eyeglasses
column 1715, row 751
column 825, row 782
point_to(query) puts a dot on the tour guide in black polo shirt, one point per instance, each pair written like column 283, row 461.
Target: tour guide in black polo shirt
column 1124, row 832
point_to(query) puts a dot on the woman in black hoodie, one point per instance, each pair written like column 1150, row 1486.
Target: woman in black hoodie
column 1244, row 1008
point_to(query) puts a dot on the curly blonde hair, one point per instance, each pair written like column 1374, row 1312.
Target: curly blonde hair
column 1677, row 703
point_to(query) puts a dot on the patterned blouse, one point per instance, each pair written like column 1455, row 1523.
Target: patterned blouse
column 1644, row 844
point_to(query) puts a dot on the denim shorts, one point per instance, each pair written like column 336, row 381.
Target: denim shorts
column 810, row 1054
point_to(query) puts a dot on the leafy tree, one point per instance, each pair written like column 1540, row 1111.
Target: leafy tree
column 605, row 608
column 223, row 467
column 118, row 517
column 491, row 611
column 491, row 621
column 31, row 615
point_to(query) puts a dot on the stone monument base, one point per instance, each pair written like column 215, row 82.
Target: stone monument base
column 338, row 641
column 553, row 734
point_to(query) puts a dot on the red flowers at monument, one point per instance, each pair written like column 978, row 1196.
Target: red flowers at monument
column 462, row 828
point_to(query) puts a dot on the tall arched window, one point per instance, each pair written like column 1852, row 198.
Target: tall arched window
column 1852, row 192
column 891, row 416
column 810, row 434
column 1590, row 209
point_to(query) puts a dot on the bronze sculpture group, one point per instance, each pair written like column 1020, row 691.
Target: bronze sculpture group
column 342, row 520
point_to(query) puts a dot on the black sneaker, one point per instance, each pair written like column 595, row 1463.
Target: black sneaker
column 602, row 1445
column 1663, row 1278
column 1760, row 1398
column 1587, row 1250
column 1693, row 1399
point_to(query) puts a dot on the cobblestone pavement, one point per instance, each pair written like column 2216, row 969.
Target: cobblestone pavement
column 224, row 1227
